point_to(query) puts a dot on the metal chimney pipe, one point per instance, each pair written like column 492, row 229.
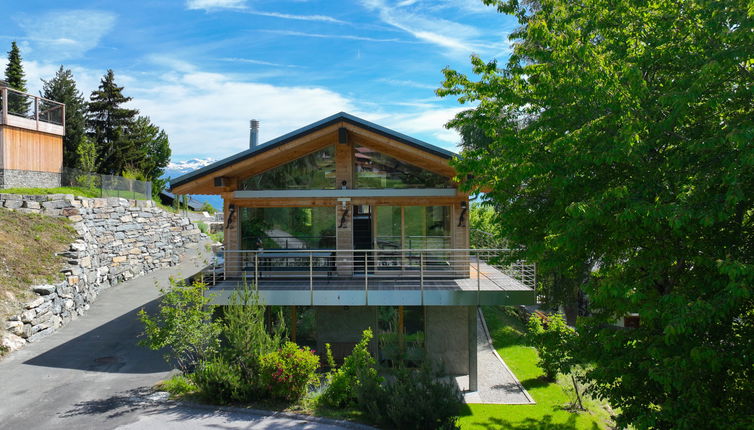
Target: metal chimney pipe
column 254, row 133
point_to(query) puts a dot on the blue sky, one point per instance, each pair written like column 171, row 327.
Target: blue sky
column 202, row 68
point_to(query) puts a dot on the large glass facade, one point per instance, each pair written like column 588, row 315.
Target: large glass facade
column 315, row 171
column 376, row 170
column 288, row 228
column 413, row 227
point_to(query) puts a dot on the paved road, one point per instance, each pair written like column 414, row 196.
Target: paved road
column 92, row 375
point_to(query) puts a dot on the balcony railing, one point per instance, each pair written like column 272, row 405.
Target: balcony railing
column 465, row 269
column 31, row 112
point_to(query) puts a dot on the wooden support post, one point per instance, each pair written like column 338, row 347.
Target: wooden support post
column 294, row 323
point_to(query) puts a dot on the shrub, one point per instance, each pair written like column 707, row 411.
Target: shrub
column 219, row 381
column 553, row 340
column 179, row 385
column 202, row 227
column 207, row 207
column 246, row 338
column 183, row 325
column 359, row 368
column 287, row 372
column 418, row 399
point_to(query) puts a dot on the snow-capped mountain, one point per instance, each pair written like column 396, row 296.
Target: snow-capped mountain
column 179, row 168
column 186, row 166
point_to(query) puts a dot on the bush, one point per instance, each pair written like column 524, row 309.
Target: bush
column 207, row 207
column 220, row 381
column 553, row 340
column 418, row 399
column 183, row 325
column 179, row 385
column 204, row 228
column 359, row 368
column 287, row 372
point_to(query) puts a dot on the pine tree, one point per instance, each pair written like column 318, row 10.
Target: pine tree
column 14, row 76
column 109, row 126
column 153, row 143
column 62, row 88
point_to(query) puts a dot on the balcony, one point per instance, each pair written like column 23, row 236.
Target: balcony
column 374, row 277
column 31, row 112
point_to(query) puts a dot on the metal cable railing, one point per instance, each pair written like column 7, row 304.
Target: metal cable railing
column 467, row 269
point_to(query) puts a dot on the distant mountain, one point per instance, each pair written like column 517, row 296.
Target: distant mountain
column 186, row 166
column 179, row 168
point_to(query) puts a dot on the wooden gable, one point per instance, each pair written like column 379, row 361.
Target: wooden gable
column 277, row 153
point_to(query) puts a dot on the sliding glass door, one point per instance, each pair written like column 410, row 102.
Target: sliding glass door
column 399, row 229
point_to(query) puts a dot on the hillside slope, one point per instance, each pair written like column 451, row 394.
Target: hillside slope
column 28, row 247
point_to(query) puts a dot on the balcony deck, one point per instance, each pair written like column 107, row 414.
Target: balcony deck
column 30, row 112
column 476, row 282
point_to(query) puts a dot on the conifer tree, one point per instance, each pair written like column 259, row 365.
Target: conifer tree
column 109, row 125
column 62, row 88
column 15, row 77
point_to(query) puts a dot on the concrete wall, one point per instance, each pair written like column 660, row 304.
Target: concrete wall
column 447, row 337
column 10, row 178
column 118, row 240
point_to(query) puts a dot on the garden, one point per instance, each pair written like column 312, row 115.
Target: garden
column 240, row 355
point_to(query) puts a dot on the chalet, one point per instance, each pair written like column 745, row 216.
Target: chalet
column 31, row 140
column 347, row 225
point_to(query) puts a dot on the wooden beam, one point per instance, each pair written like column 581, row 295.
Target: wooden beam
column 294, row 323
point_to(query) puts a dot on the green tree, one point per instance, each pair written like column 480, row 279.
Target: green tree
column 183, row 326
column 630, row 174
column 109, row 126
column 62, row 88
column 153, row 143
column 16, row 79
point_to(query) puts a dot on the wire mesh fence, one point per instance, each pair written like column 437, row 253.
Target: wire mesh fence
column 106, row 185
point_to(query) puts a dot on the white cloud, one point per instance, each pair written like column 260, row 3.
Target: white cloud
column 207, row 114
column 321, row 18
column 215, row 4
column 415, row 18
column 333, row 36
column 66, row 34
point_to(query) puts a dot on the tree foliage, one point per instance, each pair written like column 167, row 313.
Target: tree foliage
column 16, row 79
column 62, row 88
column 183, row 326
column 620, row 155
column 109, row 126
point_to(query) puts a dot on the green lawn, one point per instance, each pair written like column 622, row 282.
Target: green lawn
column 507, row 333
column 78, row 191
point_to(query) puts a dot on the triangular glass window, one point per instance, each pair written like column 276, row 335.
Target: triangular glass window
column 315, row 171
column 376, row 170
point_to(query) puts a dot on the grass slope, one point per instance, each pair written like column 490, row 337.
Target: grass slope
column 28, row 243
column 550, row 412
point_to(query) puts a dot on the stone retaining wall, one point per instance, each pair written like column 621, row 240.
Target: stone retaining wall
column 10, row 178
column 118, row 240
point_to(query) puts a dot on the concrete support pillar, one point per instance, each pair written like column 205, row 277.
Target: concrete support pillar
column 473, row 374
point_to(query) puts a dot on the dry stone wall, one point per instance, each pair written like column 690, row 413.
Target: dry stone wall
column 118, row 240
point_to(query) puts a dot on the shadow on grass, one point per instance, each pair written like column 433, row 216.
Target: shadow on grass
column 543, row 423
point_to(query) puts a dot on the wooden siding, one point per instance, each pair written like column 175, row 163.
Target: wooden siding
column 30, row 150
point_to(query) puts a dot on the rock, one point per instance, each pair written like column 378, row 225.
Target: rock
column 28, row 315
column 15, row 327
column 12, row 342
column 43, row 290
column 34, row 303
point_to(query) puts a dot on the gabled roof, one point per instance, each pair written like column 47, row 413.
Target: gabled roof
column 326, row 122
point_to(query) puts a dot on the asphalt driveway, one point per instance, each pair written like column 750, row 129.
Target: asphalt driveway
column 91, row 374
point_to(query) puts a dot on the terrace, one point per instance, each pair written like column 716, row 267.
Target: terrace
column 31, row 112
column 374, row 277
